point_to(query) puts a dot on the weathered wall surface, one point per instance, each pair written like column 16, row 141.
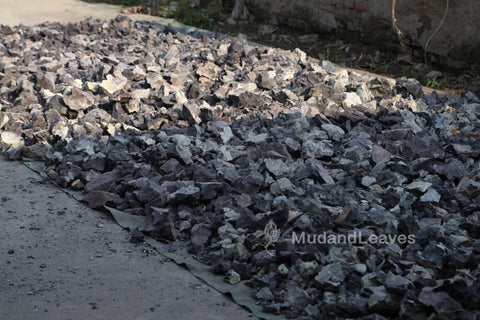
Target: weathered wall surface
column 457, row 43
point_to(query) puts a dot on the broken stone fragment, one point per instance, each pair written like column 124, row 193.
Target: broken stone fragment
column 409, row 87
column 91, row 86
column 187, row 195
column 453, row 169
column 38, row 121
column 210, row 190
column 368, row 181
column 209, row 71
column 77, row 83
column 316, row 149
column 307, row 268
column 259, row 138
column 364, row 93
column 191, row 112
column 52, row 66
column 137, row 73
column 95, row 161
column 316, row 169
column 266, row 80
column 56, row 103
column 10, row 140
column 281, row 186
column 330, row 275
column 159, row 223
column 383, row 302
column 433, row 256
column 334, row 132
column 233, row 277
column 133, row 106
column 348, row 99
column 67, row 173
column 14, row 153
column 60, row 130
column 103, row 182
column 46, row 80
column 155, row 80
column 119, row 114
column 243, row 200
column 379, row 154
column 97, row 199
column 397, row 284
column 97, row 116
column 431, row 196
column 200, row 234
column 4, row 118
column 184, row 226
column 78, row 100
column 82, row 145
column 360, row 268
column 469, row 187
column 113, row 84
column 277, row 167
column 182, row 148
column 249, row 87
column 85, row 62
column 139, row 94
column 296, row 296
column 222, row 129
column 445, row 306
column 418, row 187
column 265, row 294
column 38, row 151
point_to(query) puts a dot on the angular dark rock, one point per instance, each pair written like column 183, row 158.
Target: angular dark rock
column 316, row 149
column 444, row 305
column 103, row 182
column 67, row 173
column 382, row 302
column 297, row 297
column 97, row 199
column 159, row 224
column 96, row 161
column 188, row 195
column 200, row 234
column 397, row 284
column 149, row 191
column 265, row 294
column 330, row 275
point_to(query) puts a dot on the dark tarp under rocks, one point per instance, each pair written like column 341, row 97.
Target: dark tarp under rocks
column 254, row 155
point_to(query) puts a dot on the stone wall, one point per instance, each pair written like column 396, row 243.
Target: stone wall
column 457, row 44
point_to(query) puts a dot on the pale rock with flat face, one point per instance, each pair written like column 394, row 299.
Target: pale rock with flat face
column 10, row 140
column 78, row 100
column 113, row 84
column 3, row 119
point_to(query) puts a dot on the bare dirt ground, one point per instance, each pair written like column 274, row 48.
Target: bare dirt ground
column 30, row 12
column 61, row 260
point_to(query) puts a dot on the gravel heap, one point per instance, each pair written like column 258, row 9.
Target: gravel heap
column 332, row 194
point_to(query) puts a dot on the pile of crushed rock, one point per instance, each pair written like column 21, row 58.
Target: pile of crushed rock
column 331, row 193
